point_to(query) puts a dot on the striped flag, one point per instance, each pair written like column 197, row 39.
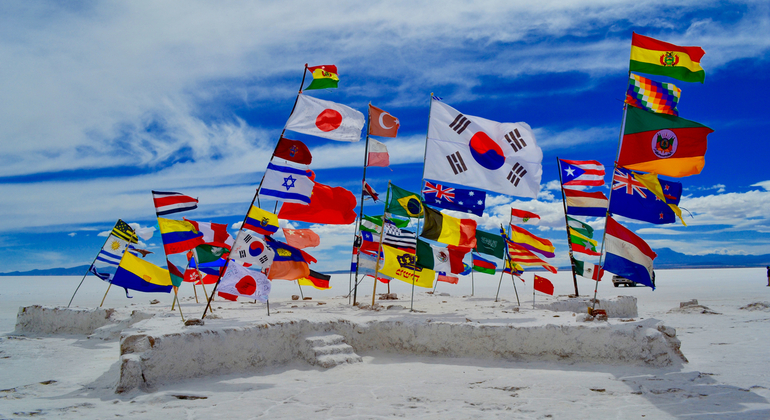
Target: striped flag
column 581, row 172
column 523, row 256
column 534, row 243
column 399, row 238
column 523, row 217
column 483, row 265
column 588, row 270
column 582, row 203
column 172, row 202
column 627, row 255
column 124, row 231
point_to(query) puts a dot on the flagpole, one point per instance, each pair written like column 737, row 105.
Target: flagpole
column 361, row 211
column 508, row 257
column 379, row 248
column 200, row 276
column 92, row 263
column 414, row 266
column 566, row 223
column 185, row 269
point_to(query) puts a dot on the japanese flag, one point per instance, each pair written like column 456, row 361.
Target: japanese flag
column 326, row 119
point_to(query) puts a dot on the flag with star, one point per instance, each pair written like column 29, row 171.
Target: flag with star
column 631, row 198
column 404, row 203
column 458, row 199
column 287, row 184
column 581, row 172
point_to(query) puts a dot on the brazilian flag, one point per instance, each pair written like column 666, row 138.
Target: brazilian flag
column 404, row 203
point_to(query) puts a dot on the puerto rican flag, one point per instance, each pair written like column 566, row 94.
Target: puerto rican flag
column 172, row 202
column 581, row 172
column 627, row 255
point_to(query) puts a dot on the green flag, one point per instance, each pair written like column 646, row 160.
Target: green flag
column 374, row 223
column 490, row 244
column 581, row 227
column 404, row 203
column 209, row 253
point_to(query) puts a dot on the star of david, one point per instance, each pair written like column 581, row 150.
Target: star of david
column 288, row 182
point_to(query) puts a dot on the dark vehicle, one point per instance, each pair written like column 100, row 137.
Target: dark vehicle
column 618, row 280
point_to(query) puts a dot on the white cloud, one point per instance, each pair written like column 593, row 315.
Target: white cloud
column 72, row 234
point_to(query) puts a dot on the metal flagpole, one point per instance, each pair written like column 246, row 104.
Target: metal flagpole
column 89, row 267
column 360, row 217
column 566, row 222
column 379, row 248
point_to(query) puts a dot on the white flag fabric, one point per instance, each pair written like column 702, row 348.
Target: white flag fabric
column 240, row 281
column 287, row 184
column 249, row 248
column 326, row 119
column 476, row 152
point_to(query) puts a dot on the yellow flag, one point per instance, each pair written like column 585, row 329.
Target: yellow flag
column 401, row 265
column 650, row 181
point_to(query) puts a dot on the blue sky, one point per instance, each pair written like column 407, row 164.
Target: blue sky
column 105, row 101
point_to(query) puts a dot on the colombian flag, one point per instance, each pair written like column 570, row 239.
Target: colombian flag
column 137, row 274
column 648, row 55
column 178, row 236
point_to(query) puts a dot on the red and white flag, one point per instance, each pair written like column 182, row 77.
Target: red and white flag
column 213, row 233
column 370, row 192
column 172, row 202
column 543, row 285
column 581, row 172
column 381, row 123
column 240, row 281
column 523, row 217
column 326, row 119
column 378, row 154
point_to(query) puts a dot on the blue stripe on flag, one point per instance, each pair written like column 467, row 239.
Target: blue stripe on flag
column 285, row 195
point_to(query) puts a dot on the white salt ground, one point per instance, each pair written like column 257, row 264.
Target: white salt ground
column 727, row 377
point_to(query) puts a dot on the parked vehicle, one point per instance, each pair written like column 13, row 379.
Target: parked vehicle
column 618, row 280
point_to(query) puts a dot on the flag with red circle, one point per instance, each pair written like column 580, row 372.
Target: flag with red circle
column 240, row 281
column 326, row 119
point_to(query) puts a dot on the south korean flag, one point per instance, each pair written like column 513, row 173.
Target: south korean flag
column 250, row 248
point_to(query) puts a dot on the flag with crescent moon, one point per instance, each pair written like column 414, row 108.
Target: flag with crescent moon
column 381, row 123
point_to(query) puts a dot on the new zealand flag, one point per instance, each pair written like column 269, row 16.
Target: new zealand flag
column 630, row 198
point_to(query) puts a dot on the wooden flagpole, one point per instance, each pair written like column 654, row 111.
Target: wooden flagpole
column 256, row 195
column 566, row 223
column 89, row 268
column 379, row 248
column 105, row 295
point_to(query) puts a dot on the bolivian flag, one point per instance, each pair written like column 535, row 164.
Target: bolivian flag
column 137, row 274
column 402, row 265
column 648, row 55
column 324, row 77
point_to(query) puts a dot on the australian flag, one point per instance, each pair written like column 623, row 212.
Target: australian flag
column 459, row 199
column 631, row 199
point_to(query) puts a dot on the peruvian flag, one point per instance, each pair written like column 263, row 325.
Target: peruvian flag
column 523, row 217
column 326, row 119
column 214, row 233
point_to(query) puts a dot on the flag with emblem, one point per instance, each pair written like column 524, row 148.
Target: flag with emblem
column 440, row 258
column 457, row 199
column 403, row 266
column 261, row 221
column 653, row 96
column 404, row 203
column 476, row 152
column 581, row 172
column 326, row 119
column 240, row 281
column 213, row 233
column 293, row 151
column 587, row 270
column 287, row 184
column 324, row 77
column 490, row 244
column 249, row 248
column 631, row 198
column 289, row 263
column 581, row 237
column 651, row 56
column 523, row 217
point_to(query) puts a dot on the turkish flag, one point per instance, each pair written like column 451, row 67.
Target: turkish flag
column 328, row 205
column 381, row 123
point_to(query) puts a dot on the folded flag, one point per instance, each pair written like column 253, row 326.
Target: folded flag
column 137, row 274
column 663, row 192
column 523, row 217
column 523, row 256
column 449, row 230
column 442, row 276
column 513, row 268
column 531, row 242
column 172, row 202
column 627, row 255
column 583, row 203
column 178, row 235
column 261, row 221
column 369, row 244
column 581, row 172
column 293, row 151
column 476, row 152
column 208, row 253
column 648, row 55
column 326, row 119
column 649, row 95
column 399, row 238
column 377, row 154
column 440, row 259
column 213, row 233
column 324, row 77
column 490, row 244
column 381, row 123
column 374, row 223
column 249, row 248
column 301, row 238
column 543, row 285
column 663, row 144
column 581, row 243
column 287, row 184
column 633, row 199
column 316, row 279
column 583, row 228
column 124, row 231
column 289, row 263
column 369, row 192
column 404, row 203
column 587, row 270
column 483, row 265
column 458, row 199
column 327, row 205
column 240, row 281
column 403, row 266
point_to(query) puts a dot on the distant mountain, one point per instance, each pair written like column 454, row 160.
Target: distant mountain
column 667, row 258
